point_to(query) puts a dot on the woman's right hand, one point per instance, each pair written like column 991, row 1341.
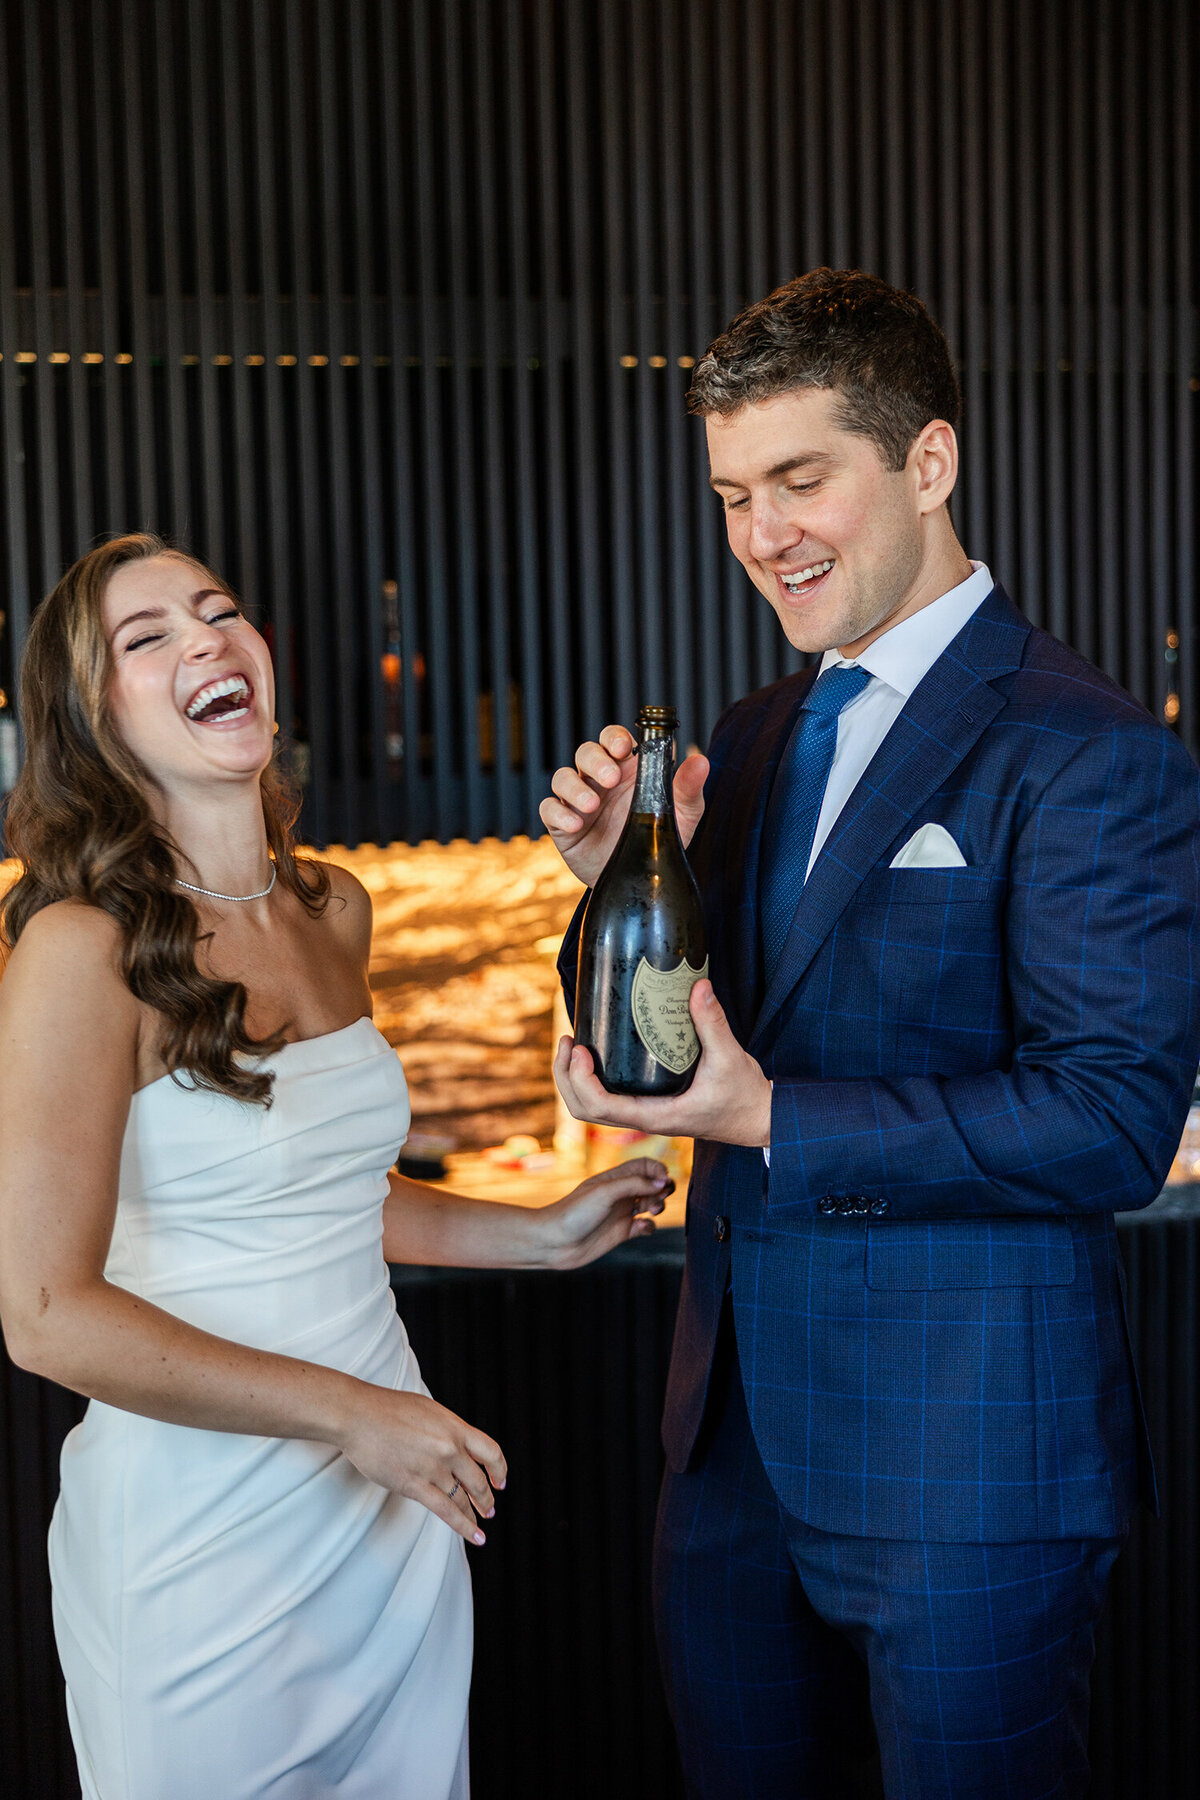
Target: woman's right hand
column 587, row 810
column 410, row 1444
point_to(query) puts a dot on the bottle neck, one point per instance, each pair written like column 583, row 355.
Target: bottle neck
column 653, row 792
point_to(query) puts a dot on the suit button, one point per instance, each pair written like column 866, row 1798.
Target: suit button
column 827, row 1204
column 720, row 1228
column 879, row 1207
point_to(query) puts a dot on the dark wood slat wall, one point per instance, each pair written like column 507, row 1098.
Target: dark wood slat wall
column 386, row 308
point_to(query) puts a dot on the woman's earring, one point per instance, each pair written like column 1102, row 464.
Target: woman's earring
column 275, row 726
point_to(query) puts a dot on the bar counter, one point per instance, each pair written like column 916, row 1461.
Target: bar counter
column 567, row 1371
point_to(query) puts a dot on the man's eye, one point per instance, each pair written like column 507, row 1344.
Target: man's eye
column 804, row 487
column 138, row 642
column 735, row 505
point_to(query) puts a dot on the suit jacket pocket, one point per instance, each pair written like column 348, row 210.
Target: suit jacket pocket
column 930, row 887
column 970, row 1253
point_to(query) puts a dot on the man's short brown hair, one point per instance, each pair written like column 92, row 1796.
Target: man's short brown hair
column 875, row 345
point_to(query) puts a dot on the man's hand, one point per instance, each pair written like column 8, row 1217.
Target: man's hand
column 729, row 1101
column 587, row 811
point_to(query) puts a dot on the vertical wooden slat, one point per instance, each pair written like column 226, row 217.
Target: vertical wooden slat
column 646, row 60
column 16, row 603
column 617, row 342
column 49, row 509
column 311, row 566
column 383, row 822
column 74, row 155
column 253, row 50
column 128, row 87
column 1003, row 509
column 116, row 514
column 679, row 532
column 459, row 103
column 1031, row 334
column 589, row 351
column 1186, row 369
column 1081, row 355
column 230, row 520
column 444, row 719
column 1151, row 680
column 166, row 91
column 495, row 507
column 533, row 776
column 346, row 653
column 559, row 586
column 702, row 324
column 977, row 382
column 1109, row 452
column 398, row 242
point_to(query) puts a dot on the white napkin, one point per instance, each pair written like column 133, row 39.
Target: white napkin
column 931, row 847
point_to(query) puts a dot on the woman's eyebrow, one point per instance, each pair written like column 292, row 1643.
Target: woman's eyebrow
column 158, row 612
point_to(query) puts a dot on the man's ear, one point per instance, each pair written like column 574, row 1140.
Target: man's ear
column 934, row 462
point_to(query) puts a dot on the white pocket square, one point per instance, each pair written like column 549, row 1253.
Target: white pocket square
column 931, row 847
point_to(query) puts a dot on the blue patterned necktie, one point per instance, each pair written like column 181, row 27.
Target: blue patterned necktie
column 795, row 804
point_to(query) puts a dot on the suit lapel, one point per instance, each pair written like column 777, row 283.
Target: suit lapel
column 741, row 851
column 944, row 717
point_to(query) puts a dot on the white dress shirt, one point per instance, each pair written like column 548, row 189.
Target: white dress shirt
column 898, row 660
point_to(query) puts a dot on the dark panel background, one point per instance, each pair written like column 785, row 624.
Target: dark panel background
column 382, row 306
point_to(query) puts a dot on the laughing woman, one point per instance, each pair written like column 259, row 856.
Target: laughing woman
column 258, row 1554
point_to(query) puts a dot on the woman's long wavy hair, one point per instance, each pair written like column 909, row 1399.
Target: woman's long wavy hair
column 80, row 822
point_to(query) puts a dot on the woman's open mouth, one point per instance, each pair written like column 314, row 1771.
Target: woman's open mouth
column 798, row 584
column 221, row 703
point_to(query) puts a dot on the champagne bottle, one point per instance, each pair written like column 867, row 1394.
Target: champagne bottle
column 641, row 947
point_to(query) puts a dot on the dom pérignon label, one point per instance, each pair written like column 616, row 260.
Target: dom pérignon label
column 641, row 949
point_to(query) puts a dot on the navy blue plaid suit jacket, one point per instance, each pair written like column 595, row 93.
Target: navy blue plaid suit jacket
column 974, row 1069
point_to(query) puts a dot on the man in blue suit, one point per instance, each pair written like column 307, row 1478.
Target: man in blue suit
column 950, row 881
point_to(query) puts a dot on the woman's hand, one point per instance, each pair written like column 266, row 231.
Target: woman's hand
column 410, row 1444
column 605, row 1210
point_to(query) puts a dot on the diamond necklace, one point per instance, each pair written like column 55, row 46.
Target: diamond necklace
column 211, row 895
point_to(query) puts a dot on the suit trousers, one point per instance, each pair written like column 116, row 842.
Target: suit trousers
column 806, row 1665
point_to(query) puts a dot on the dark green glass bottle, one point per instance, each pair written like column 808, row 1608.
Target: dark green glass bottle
column 641, row 948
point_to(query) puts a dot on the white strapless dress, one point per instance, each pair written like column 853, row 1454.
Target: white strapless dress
column 249, row 1618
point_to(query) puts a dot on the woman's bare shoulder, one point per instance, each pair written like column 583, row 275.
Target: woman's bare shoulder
column 350, row 905
column 63, row 986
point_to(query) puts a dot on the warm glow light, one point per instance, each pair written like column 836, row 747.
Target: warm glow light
column 629, row 362
column 348, row 362
column 123, row 356
column 286, row 362
column 687, row 362
column 60, row 356
column 222, row 362
column 92, row 356
column 658, row 362
column 255, row 362
column 1171, row 708
column 318, row 362
column 24, row 356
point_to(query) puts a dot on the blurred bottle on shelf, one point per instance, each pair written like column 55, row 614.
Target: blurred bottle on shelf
column 391, row 667
column 8, row 745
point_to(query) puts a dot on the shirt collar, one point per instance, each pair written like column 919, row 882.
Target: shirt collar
column 904, row 655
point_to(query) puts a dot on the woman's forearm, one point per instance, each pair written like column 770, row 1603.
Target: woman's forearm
column 423, row 1224
column 113, row 1346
